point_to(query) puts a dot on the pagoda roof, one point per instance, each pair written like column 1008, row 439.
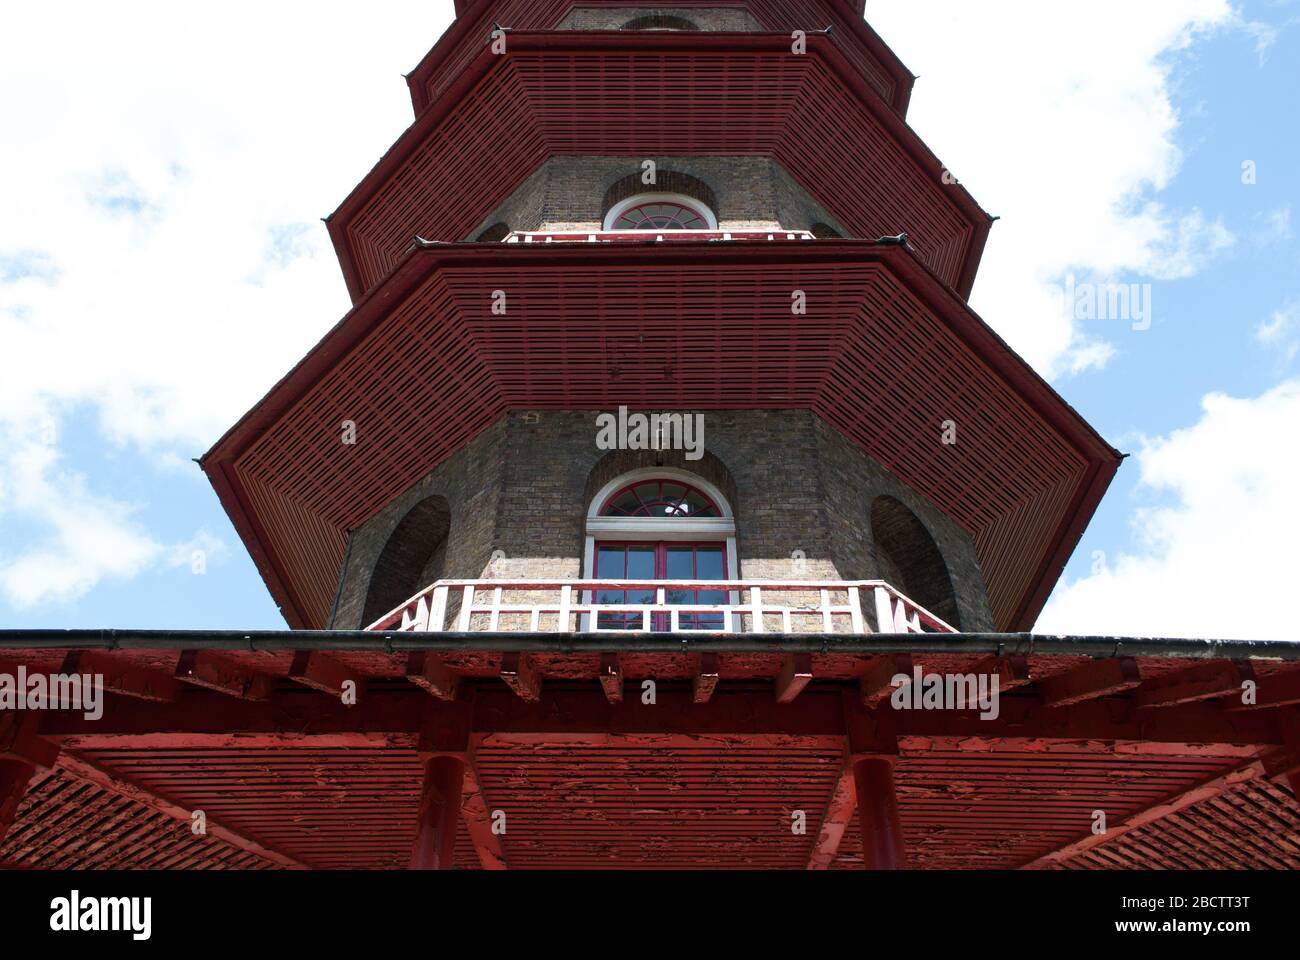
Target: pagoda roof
column 290, row 776
column 885, row 354
column 584, row 93
column 879, row 66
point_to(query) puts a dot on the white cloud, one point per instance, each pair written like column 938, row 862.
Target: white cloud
column 1216, row 558
column 1060, row 120
column 1281, row 331
column 163, row 169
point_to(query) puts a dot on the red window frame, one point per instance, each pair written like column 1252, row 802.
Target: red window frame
column 660, row 622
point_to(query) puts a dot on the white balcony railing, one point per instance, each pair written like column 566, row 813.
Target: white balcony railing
column 750, row 606
column 607, row 236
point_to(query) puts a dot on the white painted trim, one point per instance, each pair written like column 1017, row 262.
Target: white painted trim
column 657, row 473
column 618, row 209
column 658, row 528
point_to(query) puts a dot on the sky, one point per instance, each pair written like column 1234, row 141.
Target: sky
column 164, row 169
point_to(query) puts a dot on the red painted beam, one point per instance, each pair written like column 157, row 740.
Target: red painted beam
column 1274, row 690
column 877, row 683
column 428, row 672
column 122, row 786
column 14, row 777
column 479, row 821
column 1275, row 764
column 1204, row 681
column 203, row 668
column 435, row 840
column 835, row 820
column 122, row 677
column 1012, row 672
column 878, row 817
column 322, row 672
column 1091, row 681
column 796, row 673
column 611, row 677
column 521, row 676
column 706, row 678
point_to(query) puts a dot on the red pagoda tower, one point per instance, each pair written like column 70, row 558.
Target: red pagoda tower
column 660, row 501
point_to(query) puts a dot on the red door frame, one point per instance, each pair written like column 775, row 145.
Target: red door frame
column 660, row 621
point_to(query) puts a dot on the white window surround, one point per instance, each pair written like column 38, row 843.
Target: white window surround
column 694, row 529
column 618, row 209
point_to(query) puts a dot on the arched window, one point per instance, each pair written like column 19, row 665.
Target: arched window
column 823, row 231
column 413, row 558
column 660, row 498
column 659, row 21
column 660, row 211
column 654, row 524
column 910, row 561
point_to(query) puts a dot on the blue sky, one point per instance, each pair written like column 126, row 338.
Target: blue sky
column 162, row 262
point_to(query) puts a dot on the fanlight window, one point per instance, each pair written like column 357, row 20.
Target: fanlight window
column 659, row 498
column 661, row 214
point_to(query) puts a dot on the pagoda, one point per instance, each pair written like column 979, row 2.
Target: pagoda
column 659, row 502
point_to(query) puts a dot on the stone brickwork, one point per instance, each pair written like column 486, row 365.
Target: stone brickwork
column 802, row 497
column 574, row 193
column 617, row 18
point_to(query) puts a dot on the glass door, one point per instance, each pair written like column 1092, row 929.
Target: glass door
column 661, row 561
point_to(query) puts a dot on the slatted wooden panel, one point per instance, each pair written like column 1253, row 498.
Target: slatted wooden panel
column 65, row 823
column 642, row 807
column 450, row 170
column 1000, row 809
column 441, row 67
column 1253, row 826
column 328, row 809
column 870, row 357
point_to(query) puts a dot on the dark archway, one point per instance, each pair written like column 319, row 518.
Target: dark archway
column 494, row 233
column 659, row 21
column 823, row 231
column 910, row 560
column 414, row 557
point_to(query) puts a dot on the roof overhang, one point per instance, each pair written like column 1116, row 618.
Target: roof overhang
column 476, row 19
column 884, row 354
column 575, row 93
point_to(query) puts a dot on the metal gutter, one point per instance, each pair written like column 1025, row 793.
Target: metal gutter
column 1002, row 644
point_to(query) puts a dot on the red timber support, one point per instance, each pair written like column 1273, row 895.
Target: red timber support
column 835, row 820
column 872, row 753
column 1275, row 764
column 83, row 769
column 1204, row 681
column 796, row 672
column 429, row 673
column 1091, row 681
column 121, row 677
column 611, row 677
column 877, row 683
column 451, row 792
column 1012, row 672
column 22, row 753
column 203, row 668
column 519, row 674
column 706, row 678
column 322, row 672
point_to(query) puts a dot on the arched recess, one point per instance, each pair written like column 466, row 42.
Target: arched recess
column 689, row 188
column 494, row 233
column 910, row 560
column 659, row 21
column 824, row 231
column 414, row 557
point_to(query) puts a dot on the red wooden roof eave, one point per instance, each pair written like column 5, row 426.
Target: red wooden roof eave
column 1104, row 460
column 418, row 79
column 339, row 221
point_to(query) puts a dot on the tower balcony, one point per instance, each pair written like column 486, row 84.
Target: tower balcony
column 655, row 236
column 660, row 606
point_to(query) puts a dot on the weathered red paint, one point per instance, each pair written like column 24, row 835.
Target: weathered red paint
column 444, row 779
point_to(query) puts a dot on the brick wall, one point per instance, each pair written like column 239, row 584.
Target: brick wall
column 572, row 193
column 795, row 485
column 614, row 18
